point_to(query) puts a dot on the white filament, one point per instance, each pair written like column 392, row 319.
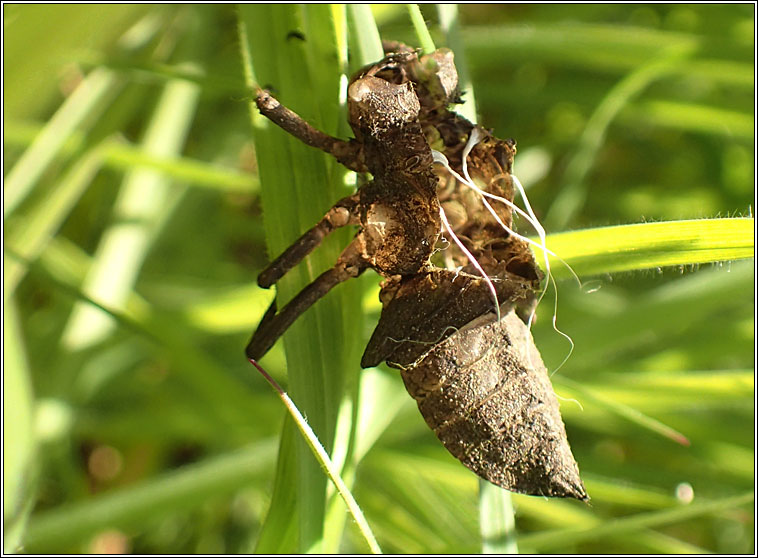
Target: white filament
column 440, row 158
column 473, row 261
column 474, row 138
column 555, row 326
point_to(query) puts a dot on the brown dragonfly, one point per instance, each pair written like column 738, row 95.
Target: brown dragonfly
column 436, row 221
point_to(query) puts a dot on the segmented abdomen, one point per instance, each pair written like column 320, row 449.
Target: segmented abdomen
column 486, row 394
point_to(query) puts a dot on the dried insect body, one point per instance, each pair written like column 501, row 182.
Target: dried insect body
column 479, row 382
column 480, row 214
column 489, row 400
column 398, row 211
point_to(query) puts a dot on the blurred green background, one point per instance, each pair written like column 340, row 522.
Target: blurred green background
column 130, row 176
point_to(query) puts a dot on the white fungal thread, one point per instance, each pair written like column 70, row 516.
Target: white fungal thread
column 550, row 279
column 474, row 138
column 558, row 331
column 472, row 259
column 571, row 400
column 440, row 158
column 541, row 232
column 442, row 336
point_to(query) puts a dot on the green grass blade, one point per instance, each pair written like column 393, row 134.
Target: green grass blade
column 121, row 155
column 227, row 398
column 496, row 520
column 280, row 532
column 365, row 41
column 88, row 101
column 573, row 193
column 625, row 411
column 691, row 117
column 30, row 234
column 181, row 169
column 144, row 203
column 19, row 443
column 137, row 505
column 604, row 47
column 693, row 298
column 323, row 458
column 562, row 538
column 297, row 187
column 651, row 245
column 450, row 24
column 419, row 26
column 594, row 45
column 381, row 400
